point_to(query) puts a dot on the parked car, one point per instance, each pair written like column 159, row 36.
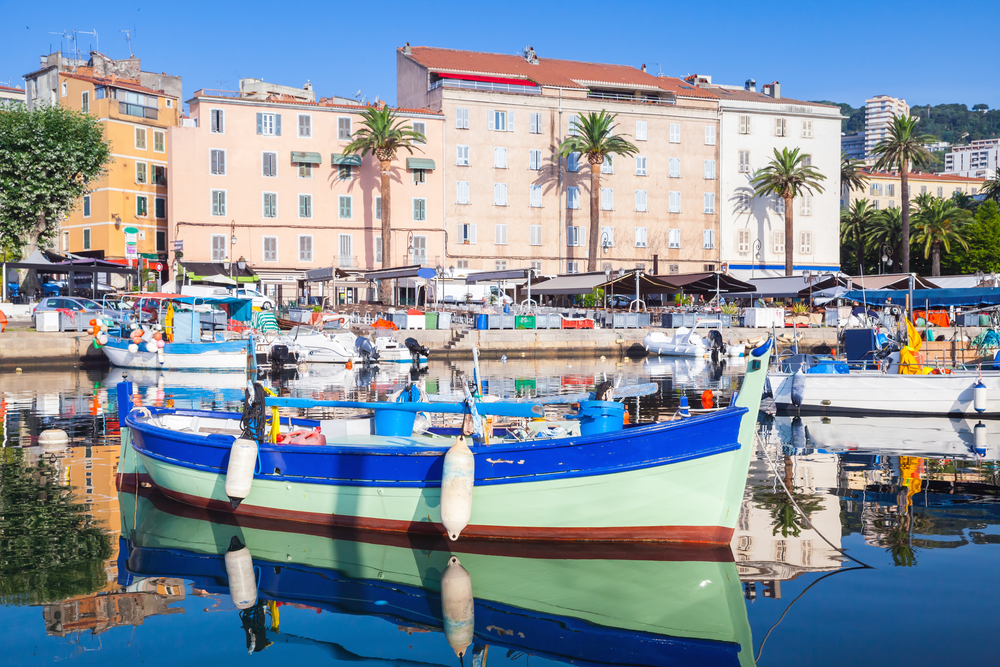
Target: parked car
column 76, row 304
column 261, row 301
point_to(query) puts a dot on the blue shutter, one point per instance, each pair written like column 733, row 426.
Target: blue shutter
column 260, row 123
column 277, row 124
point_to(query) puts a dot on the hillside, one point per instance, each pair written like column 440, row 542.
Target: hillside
column 954, row 123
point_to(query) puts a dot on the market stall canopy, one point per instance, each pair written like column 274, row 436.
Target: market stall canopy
column 704, row 283
column 891, row 281
column 510, row 275
column 781, row 287
column 572, row 283
column 398, row 272
column 217, row 273
column 935, row 298
column 625, row 284
column 329, row 273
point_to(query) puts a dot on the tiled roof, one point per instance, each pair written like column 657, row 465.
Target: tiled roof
column 954, row 178
column 11, row 89
column 749, row 96
column 548, row 71
column 116, row 83
column 233, row 96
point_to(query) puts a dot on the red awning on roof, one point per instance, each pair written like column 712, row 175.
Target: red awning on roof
column 488, row 79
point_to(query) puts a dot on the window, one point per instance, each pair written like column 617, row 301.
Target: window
column 499, row 158
column 640, row 165
column 85, row 101
column 218, row 247
column 890, row 190
column 675, row 133
column 419, row 209
column 345, row 172
column 467, row 233
column 343, row 129
column 345, row 207
column 940, row 192
column 535, row 235
column 744, row 162
column 419, row 249
column 876, row 189
column 462, row 192
column 161, row 241
column 345, row 246
column 217, row 121
column 573, row 197
column 86, row 239
column 745, row 126
column 462, row 118
column 607, row 199
column 535, row 160
column 462, row 155
column 269, row 164
column 608, row 166
column 875, row 205
column 306, row 206
column 710, row 203
column 500, row 234
column 640, row 130
column 674, row 238
column 420, row 128
column 709, row 135
column 535, row 122
column 306, row 170
column 805, row 243
column 496, row 120
column 607, row 237
column 572, row 267
column 305, row 248
column 378, row 208
column 675, row 167
column 218, row 202
column 807, row 129
column 742, row 202
column 779, row 127
column 305, row 125
column 499, row 194
column 743, row 241
column 270, row 248
column 573, row 162
column 673, row 269
column 573, row 236
column 65, row 88
column 500, row 265
column 571, row 126
column 709, row 170
column 640, row 200
column 463, row 264
column 141, row 206
column 217, row 162
column 675, row 202
column 535, row 196
column 806, row 204
column 160, row 207
column 923, row 189
column 378, row 249
column 160, row 175
column 708, row 239
column 86, row 206
column 778, row 242
column 536, row 267
column 269, row 124
column 640, row 237
column 270, row 208
column 140, row 138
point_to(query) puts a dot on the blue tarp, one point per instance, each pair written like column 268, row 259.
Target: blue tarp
column 936, row 298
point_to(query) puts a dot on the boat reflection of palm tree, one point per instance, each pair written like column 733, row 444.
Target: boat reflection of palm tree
column 781, row 505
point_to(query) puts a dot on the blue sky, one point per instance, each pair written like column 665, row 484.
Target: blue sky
column 817, row 50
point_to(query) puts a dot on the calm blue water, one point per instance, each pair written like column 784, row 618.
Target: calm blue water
column 95, row 577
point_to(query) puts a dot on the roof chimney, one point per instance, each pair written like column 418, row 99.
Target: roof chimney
column 308, row 85
column 776, row 90
column 406, row 49
column 750, row 85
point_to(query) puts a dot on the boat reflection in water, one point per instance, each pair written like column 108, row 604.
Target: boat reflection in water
column 589, row 605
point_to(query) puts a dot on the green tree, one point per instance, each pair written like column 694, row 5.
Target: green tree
column 886, row 230
column 854, row 222
column 787, row 176
column 383, row 135
column 594, row 137
column 49, row 157
column 982, row 238
column 964, row 201
column 939, row 224
column 852, row 175
column 903, row 149
column 991, row 188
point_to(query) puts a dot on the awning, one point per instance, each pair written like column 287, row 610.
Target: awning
column 935, row 298
column 625, row 284
column 705, row 283
column 216, row 272
column 329, row 273
column 353, row 160
column 783, row 287
column 496, row 276
column 307, row 158
column 389, row 274
column 573, row 283
column 487, row 79
column 419, row 163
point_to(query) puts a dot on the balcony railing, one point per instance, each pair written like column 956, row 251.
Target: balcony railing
column 625, row 97
column 487, row 86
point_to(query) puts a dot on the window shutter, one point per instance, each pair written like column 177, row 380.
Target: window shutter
column 640, row 130
column 535, row 235
column 709, row 135
column 573, row 162
column 222, row 162
column 510, row 121
column 536, row 196
column 277, row 124
column 709, row 202
column 491, row 119
column 260, row 123
column 675, row 133
column 607, row 196
column 472, row 233
column 574, row 121
column 675, row 167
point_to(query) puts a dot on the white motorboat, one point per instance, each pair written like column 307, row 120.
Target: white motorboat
column 318, row 347
column 691, row 343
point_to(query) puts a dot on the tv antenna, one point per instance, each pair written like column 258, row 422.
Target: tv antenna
column 69, row 36
column 97, row 40
column 128, row 38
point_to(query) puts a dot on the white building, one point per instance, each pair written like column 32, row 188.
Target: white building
column 752, row 229
column 879, row 112
column 977, row 160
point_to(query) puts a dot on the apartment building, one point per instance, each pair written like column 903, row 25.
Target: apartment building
column 126, row 212
column 753, row 125
column 264, row 178
column 979, row 159
column 885, row 190
column 11, row 95
column 879, row 112
column 853, row 145
column 511, row 201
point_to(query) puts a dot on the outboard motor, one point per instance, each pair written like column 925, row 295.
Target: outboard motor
column 367, row 350
column 280, row 357
column 716, row 344
column 416, row 351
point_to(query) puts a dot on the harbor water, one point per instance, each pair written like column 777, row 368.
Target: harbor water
column 885, row 550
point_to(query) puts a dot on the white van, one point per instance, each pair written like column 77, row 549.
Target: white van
column 259, row 300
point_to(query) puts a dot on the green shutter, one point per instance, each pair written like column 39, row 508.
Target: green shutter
column 260, row 123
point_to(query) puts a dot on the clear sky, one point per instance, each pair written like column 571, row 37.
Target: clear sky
column 920, row 50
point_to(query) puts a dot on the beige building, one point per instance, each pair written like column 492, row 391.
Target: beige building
column 879, row 112
column 884, row 189
column 11, row 94
column 511, row 201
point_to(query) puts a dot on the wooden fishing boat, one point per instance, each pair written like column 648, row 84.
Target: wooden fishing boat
column 587, row 478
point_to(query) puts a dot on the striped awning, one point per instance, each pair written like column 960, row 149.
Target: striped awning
column 419, row 163
column 306, row 158
column 353, row 160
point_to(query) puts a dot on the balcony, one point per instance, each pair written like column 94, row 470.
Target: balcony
column 625, row 97
column 487, row 86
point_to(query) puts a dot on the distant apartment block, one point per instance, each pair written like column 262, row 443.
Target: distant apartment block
column 11, row 95
column 977, row 160
column 884, row 189
column 853, row 145
column 879, row 112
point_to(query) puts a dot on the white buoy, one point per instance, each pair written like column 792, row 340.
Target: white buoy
column 53, row 439
column 160, row 356
column 979, row 397
column 458, row 607
column 239, row 571
column 457, row 480
column 239, row 472
column 979, row 431
column 133, row 348
column 151, row 346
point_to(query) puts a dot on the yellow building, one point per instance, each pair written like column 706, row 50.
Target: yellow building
column 135, row 108
column 884, row 189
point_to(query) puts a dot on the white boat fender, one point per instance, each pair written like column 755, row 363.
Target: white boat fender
column 798, row 387
column 457, row 480
column 53, row 439
column 979, row 397
column 133, row 348
column 239, row 571
column 239, row 471
column 151, row 346
column 979, row 432
column 685, row 408
column 458, row 607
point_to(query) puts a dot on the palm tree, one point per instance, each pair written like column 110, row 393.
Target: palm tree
column 382, row 135
column 787, row 177
column 595, row 138
column 964, row 201
column 853, row 224
column 939, row 224
column 885, row 231
column 903, row 149
column 991, row 189
column 852, row 175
